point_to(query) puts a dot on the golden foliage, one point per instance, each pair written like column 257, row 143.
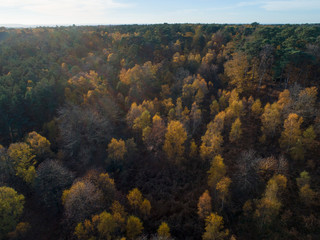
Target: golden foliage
column 145, row 207
column 204, row 205
column 223, row 188
column 236, row 131
column 11, row 208
column 39, row 144
column 237, row 69
column 135, row 198
column 175, row 137
column 212, row 139
column 256, row 108
column 134, row 227
column 216, row 172
column 164, row 231
column 116, row 149
column 270, row 119
column 214, row 228
column 23, row 161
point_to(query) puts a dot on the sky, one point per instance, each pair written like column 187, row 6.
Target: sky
column 93, row 12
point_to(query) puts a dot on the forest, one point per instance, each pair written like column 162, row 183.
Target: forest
column 165, row 131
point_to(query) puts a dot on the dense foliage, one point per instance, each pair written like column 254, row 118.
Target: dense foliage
column 160, row 132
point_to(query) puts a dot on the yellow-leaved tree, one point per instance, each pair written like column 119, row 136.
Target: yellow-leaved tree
column 39, row 145
column 307, row 195
column 116, row 149
column 291, row 137
column 134, row 227
column 175, row 137
column 11, row 208
column 212, row 139
column 236, row 131
column 216, row 172
column 204, row 205
column 222, row 188
column 214, row 229
column 137, row 201
column 241, row 76
column 269, row 205
column 270, row 120
column 23, row 161
column 164, row 231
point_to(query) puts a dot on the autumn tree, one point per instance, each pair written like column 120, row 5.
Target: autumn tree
column 269, row 205
column 39, row 145
column 11, row 208
column 119, row 215
column 164, row 231
column 218, row 123
column 141, row 79
column 21, row 231
column 216, row 172
column 214, row 229
column 292, row 131
column 306, row 194
column 134, row 227
column 85, row 230
column 285, row 102
column 194, row 90
column 175, row 137
column 235, row 108
column 223, row 99
column 212, row 140
column 102, row 226
column 290, row 139
column 195, row 116
column 135, row 198
column 179, row 109
column 236, row 131
column 193, row 153
column 134, row 112
column 23, row 161
column 241, row 76
column 106, row 225
column 214, row 107
column 143, row 121
column 222, row 188
column 107, row 186
column 270, row 120
column 116, row 149
column 137, row 201
column 204, row 205
column 256, row 108
column 83, row 85
column 309, row 138
column 306, row 102
column 154, row 137
column 145, row 207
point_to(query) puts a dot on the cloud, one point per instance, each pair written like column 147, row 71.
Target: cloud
column 291, row 5
column 61, row 3
column 63, row 7
column 285, row 5
column 63, row 11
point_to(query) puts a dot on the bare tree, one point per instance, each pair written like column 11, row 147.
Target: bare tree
column 82, row 131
